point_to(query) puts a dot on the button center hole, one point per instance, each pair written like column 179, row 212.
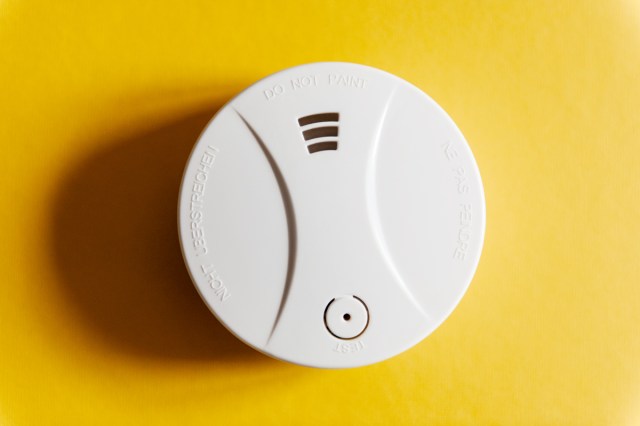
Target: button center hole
column 346, row 317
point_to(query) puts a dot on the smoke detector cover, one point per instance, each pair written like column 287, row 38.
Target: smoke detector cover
column 331, row 215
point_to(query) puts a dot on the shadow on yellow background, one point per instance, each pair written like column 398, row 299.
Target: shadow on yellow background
column 101, row 103
column 116, row 245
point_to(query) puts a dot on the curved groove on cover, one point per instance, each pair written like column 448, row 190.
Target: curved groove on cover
column 372, row 201
column 291, row 220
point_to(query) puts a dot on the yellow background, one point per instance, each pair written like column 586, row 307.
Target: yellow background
column 100, row 103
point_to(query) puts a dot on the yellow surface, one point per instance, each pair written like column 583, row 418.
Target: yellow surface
column 100, row 103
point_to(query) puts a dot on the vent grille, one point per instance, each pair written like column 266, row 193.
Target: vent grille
column 321, row 131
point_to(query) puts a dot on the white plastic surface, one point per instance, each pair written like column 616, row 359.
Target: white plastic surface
column 283, row 211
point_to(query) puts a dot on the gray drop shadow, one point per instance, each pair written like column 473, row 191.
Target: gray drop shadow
column 114, row 241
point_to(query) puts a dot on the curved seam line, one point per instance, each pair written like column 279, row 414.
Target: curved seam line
column 375, row 216
column 290, row 216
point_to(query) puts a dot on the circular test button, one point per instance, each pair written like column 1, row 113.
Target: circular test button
column 346, row 317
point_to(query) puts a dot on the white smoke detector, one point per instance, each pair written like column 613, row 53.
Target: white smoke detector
column 331, row 215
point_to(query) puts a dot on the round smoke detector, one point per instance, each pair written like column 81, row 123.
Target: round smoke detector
column 331, row 215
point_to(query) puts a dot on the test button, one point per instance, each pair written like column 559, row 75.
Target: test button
column 346, row 317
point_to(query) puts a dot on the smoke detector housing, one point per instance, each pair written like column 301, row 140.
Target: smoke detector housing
column 331, row 215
